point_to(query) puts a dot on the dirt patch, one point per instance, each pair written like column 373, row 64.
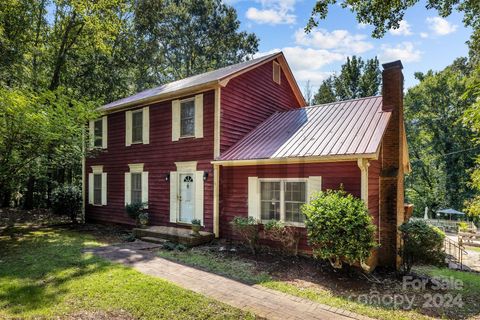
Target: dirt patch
column 98, row 315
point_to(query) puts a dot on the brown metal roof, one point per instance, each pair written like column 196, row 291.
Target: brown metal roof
column 207, row 78
column 353, row 127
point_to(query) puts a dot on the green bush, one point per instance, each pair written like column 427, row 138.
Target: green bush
column 462, row 226
column 288, row 236
column 67, row 201
column 248, row 230
column 134, row 210
column 339, row 227
column 422, row 243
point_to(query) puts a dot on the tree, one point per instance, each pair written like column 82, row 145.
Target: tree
column 385, row 15
column 357, row 79
column 178, row 39
column 441, row 147
column 308, row 93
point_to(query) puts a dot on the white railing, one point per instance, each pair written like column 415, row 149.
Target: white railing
column 446, row 225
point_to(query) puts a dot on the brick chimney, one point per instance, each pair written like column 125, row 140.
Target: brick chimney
column 392, row 172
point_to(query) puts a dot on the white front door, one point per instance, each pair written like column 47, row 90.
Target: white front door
column 187, row 197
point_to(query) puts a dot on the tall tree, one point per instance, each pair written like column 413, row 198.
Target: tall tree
column 441, row 147
column 181, row 38
column 357, row 79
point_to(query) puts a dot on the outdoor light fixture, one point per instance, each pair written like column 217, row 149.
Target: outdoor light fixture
column 205, row 175
column 167, row 177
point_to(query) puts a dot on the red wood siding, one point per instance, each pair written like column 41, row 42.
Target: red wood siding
column 159, row 158
column 249, row 99
column 234, row 185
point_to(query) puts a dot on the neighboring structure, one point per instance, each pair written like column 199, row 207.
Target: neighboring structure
column 238, row 141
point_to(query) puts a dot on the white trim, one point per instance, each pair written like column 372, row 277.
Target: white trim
column 146, row 125
column 199, row 196
column 217, row 123
column 97, row 169
column 90, row 188
column 104, row 132
column 91, row 133
column 216, row 200
column 145, row 186
column 175, row 120
column 363, row 164
column 199, row 116
column 136, row 167
column 128, row 187
column 104, row 189
column 186, row 166
column 173, row 196
column 276, row 65
column 254, row 197
column 128, row 128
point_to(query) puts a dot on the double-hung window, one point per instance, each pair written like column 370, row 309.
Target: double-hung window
column 136, row 184
column 136, row 192
column 97, row 186
column 282, row 200
column 187, row 118
column 98, row 133
column 137, row 126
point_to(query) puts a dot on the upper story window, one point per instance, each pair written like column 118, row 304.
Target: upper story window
column 187, row 118
column 276, row 72
column 137, row 124
column 98, row 133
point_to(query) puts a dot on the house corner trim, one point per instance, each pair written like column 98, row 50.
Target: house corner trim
column 363, row 164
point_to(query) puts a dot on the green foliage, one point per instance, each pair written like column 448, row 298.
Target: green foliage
column 248, row 229
column 67, row 200
column 197, row 222
column 288, row 236
column 441, row 147
column 385, row 15
column 462, row 226
column 422, row 243
column 339, row 227
column 134, row 210
column 357, row 79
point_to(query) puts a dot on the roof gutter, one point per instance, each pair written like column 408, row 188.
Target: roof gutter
column 292, row 160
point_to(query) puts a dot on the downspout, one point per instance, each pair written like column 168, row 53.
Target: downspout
column 363, row 164
column 216, row 200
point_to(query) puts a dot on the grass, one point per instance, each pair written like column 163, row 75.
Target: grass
column 43, row 273
column 473, row 248
column 244, row 270
column 232, row 267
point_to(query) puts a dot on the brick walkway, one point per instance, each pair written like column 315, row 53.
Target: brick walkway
column 263, row 302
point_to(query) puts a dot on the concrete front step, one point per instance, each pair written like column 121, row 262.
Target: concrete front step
column 153, row 240
column 173, row 234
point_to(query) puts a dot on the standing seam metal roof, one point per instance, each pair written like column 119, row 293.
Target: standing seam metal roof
column 352, row 127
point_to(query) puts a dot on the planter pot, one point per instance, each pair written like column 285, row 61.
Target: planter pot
column 143, row 220
column 196, row 229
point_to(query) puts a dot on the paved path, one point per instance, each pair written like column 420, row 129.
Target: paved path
column 263, row 302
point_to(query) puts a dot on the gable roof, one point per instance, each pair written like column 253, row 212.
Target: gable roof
column 341, row 129
column 211, row 78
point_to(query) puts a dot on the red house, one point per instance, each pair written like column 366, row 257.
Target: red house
column 239, row 141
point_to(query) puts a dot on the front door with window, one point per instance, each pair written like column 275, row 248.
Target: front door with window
column 186, row 198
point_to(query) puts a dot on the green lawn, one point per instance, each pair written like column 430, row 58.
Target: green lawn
column 43, row 273
column 244, row 270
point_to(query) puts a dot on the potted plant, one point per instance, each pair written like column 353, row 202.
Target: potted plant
column 196, row 225
column 136, row 212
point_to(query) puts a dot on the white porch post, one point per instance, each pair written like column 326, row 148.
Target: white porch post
column 216, row 200
column 363, row 165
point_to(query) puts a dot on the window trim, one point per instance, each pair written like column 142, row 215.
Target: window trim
column 180, row 118
column 277, row 66
column 98, row 170
column 282, row 198
column 131, row 119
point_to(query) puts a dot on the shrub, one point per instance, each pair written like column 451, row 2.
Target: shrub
column 462, row 226
column 248, row 230
column 339, row 228
column 67, row 200
column 134, row 210
column 422, row 243
column 197, row 222
column 289, row 237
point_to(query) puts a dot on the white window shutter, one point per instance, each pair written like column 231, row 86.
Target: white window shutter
column 199, row 116
column 146, row 125
column 91, row 133
column 127, row 188
column 199, row 195
column 128, row 128
column 314, row 185
column 175, row 120
column 90, row 188
column 144, row 186
column 104, row 188
column 173, row 196
column 253, row 198
column 104, row 132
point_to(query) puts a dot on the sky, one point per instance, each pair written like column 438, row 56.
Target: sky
column 424, row 40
